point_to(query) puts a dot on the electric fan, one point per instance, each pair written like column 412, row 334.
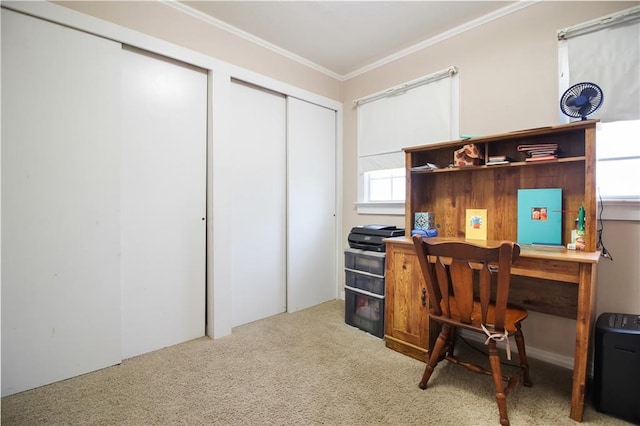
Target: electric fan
column 581, row 99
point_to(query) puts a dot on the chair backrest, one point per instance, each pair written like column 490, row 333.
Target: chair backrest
column 449, row 268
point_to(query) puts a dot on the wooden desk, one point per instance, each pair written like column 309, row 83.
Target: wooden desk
column 555, row 281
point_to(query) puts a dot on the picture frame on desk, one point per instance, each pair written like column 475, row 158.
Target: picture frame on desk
column 476, row 224
column 540, row 216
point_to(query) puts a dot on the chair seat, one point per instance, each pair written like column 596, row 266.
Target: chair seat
column 513, row 316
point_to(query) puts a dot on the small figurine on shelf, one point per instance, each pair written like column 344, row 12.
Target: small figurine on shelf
column 578, row 234
column 468, row 155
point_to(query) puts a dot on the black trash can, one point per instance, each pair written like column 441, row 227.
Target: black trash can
column 616, row 379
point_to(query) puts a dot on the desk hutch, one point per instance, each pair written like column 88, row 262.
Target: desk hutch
column 554, row 280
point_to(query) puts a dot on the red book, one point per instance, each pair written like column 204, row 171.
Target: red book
column 541, row 158
column 537, row 147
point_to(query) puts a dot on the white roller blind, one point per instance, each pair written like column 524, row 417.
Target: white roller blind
column 416, row 113
column 606, row 52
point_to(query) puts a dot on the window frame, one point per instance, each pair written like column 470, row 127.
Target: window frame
column 391, row 177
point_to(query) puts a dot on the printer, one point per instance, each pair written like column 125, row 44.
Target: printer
column 369, row 237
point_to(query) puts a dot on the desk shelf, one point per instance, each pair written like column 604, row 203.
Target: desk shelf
column 449, row 191
column 497, row 166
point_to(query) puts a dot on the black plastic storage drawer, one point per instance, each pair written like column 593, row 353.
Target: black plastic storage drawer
column 364, row 281
column 364, row 312
column 363, row 260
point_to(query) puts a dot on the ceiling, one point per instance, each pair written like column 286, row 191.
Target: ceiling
column 343, row 38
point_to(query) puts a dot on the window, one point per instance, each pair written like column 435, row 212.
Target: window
column 618, row 156
column 387, row 185
column 418, row 112
column 606, row 51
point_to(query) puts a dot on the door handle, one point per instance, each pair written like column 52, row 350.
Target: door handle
column 423, row 297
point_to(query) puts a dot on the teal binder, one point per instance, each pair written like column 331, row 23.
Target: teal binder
column 540, row 216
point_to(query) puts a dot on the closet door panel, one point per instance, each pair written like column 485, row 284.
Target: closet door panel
column 311, row 243
column 60, row 203
column 258, row 131
column 164, row 134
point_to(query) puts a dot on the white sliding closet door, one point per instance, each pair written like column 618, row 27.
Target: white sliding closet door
column 164, row 135
column 60, row 203
column 311, row 242
column 258, row 250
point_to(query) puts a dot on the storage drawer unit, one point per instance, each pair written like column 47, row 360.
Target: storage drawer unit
column 364, row 281
column 364, row 311
column 364, row 290
column 364, row 261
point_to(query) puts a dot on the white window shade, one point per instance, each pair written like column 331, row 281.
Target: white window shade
column 606, row 52
column 417, row 113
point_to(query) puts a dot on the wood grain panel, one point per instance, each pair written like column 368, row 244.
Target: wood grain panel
column 448, row 192
column 407, row 325
column 546, row 296
column 547, row 269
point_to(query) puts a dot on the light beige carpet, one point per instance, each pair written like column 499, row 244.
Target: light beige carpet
column 304, row 368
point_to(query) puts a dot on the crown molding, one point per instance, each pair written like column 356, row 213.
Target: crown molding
column 443, row 36
column 247, row 36
column 343, row 77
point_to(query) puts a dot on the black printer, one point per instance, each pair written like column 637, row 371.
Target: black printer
column 369, row 237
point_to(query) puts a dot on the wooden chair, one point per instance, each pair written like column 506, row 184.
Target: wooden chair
column 450, row 269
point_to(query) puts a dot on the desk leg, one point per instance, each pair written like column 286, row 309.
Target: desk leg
column 585, row 318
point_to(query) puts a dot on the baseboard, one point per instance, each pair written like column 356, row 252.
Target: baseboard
column 532, row 352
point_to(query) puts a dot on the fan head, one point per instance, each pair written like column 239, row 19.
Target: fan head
column 581, row 99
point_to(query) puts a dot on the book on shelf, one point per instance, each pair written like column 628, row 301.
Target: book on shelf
column 537, row 147
column 498, row 159
column 539, row 152
column 428, row 166
column 542, row 152
column 541, row 158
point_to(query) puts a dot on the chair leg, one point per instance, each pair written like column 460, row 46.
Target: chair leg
column 438, row 348
column 453, row 337
column 501, row 398
column 524, row 364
